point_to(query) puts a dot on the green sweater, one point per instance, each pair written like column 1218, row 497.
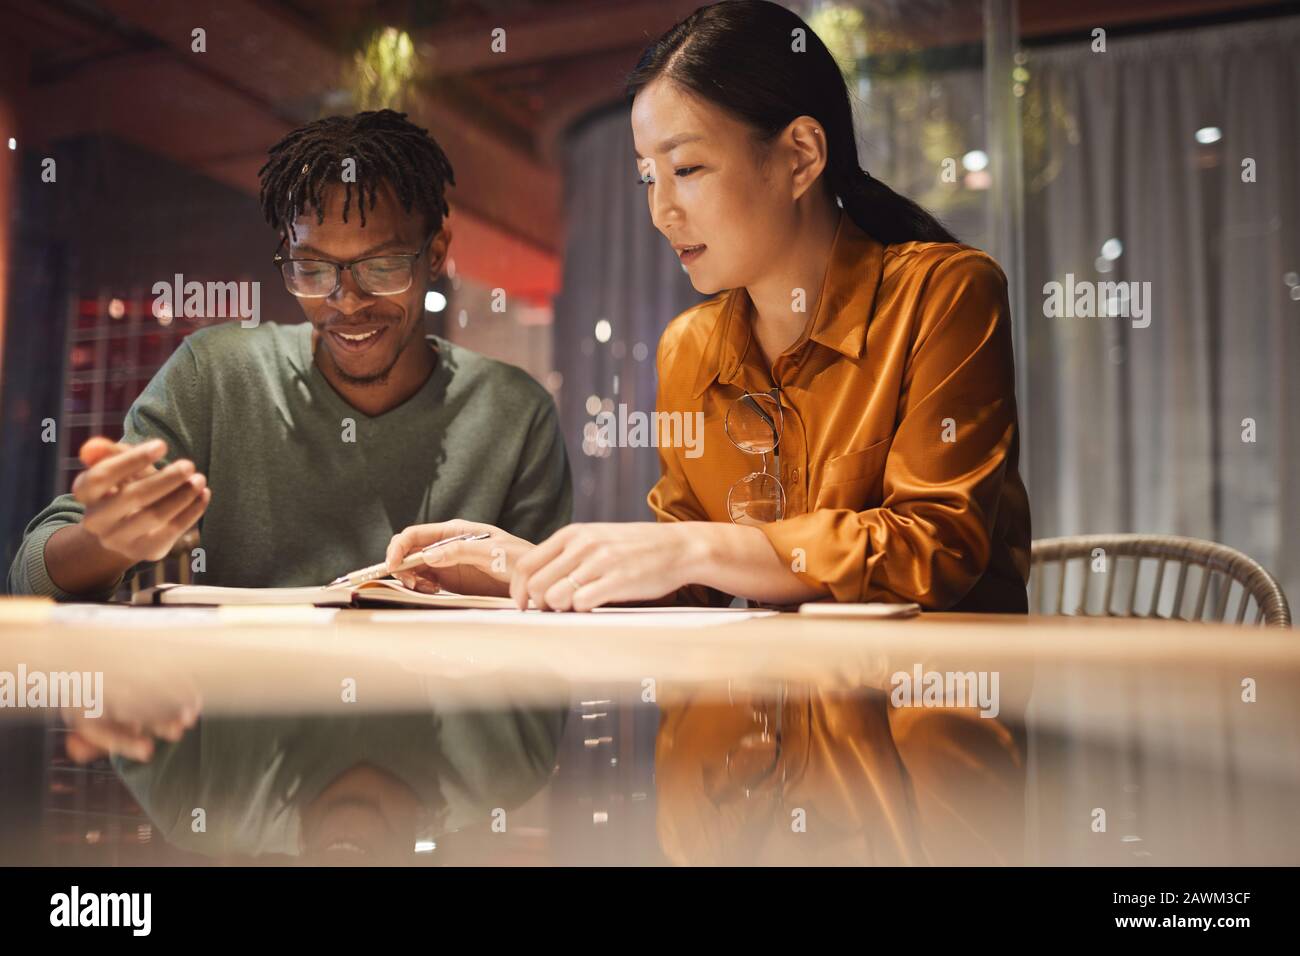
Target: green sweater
column 293, row 501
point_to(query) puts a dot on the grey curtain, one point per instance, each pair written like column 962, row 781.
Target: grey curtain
column 617, row 267
column 1141, row 429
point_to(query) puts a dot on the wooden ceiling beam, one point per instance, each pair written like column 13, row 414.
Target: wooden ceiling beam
column 551, row 33
column 257, row 50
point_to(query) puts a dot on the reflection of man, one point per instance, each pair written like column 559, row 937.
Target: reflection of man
column 303, row 449
column 364, row 812
column 356, row 789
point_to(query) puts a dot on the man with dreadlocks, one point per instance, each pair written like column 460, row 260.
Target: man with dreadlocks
column 306, row 448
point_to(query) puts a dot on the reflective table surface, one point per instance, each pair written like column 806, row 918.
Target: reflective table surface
column 307, row 735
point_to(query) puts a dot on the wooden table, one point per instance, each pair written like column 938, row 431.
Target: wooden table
column 1149, row 721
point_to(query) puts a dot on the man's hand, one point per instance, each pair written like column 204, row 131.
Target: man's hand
column 465, row 567
column 130, row 727
column 133, row 509
column 134, row 513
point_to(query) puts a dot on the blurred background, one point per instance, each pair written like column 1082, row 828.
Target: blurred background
column 1119, row 164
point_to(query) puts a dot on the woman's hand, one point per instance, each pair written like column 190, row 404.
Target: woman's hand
column 465, row 567
column 586, row 565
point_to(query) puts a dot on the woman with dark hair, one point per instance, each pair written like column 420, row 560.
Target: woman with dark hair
column 853, row 373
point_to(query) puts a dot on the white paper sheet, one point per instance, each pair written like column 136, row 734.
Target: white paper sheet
column 111, row 615
column 655, row 617
column 136, row 618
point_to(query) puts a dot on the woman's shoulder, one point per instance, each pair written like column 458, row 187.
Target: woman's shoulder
column 943, row 283
column 688, row 334
column 925, row 262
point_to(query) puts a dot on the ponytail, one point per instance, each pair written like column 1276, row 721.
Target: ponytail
column 882, row 213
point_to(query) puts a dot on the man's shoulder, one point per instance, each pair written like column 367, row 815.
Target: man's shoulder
column 490, row 378
column 232, row 345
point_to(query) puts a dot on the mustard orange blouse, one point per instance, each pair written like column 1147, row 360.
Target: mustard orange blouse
column 900, row 437
column 879, row 785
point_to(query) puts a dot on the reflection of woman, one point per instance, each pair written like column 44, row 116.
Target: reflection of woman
column 854, row 374
column 812, row 775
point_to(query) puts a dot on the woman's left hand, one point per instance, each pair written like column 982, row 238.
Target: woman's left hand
column 584, row 566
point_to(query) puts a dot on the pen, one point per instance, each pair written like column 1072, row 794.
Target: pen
column 412, row 560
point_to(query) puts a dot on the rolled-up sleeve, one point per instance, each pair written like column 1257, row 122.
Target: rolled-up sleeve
column 929, row 541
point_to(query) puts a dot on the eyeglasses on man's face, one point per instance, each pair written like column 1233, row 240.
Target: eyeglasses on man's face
column 311, row 278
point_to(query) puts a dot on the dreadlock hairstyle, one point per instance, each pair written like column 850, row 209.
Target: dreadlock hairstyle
column 386, row 148
column 738, row 55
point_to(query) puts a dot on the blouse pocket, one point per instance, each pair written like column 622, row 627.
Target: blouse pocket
column 855, row 480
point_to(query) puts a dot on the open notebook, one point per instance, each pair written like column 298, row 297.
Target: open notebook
column 383, row 591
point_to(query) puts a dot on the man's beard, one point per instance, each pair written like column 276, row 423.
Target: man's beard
column 378, row 378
